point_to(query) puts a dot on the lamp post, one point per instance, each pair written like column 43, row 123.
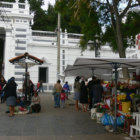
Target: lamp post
column 97, row 43
column 96, row 48
column 58, row 45
column 26, row 90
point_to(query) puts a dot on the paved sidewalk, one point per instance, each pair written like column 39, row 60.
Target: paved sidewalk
column 53, row 124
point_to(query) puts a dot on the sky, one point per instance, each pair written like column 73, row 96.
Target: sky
column 46, row 2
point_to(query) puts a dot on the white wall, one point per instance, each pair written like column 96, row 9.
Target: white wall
column 42, row 46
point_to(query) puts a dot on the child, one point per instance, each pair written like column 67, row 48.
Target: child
column 62, row 98
column 66, row 89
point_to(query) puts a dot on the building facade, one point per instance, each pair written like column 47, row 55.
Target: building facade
column 18, row 37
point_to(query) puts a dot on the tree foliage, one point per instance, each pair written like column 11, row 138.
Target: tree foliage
column 94, row 14
column 81, row 17
column 131, row 26
column 108, row 14
column 130, row 29
column 89, row 24
column 67, row 22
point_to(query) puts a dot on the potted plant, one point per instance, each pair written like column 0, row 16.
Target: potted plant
column 99, row 112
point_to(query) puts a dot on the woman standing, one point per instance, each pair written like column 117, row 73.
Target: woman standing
column 76, row 92
column 10, row 95
column 84, row 96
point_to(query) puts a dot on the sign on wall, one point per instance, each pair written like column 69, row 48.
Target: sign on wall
column 138, row 41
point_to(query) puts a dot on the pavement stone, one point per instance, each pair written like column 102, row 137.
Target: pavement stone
column 53, row 124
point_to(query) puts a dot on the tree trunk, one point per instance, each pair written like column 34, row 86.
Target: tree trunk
column 120, row 46
column 119, row 38
column 121, row 49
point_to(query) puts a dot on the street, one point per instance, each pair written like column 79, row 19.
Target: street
column 53, row 124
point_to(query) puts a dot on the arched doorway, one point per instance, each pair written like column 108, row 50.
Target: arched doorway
column 2, row 44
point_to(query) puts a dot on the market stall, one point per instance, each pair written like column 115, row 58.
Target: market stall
column 26, row 60
column 114, row 65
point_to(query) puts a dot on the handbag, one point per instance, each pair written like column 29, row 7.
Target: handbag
column 54, row 92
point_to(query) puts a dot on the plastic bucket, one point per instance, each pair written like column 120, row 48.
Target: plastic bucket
column 120, row 107
column 126, row 106
column 93, row 113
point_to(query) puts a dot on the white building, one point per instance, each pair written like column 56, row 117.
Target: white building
column 19, row 38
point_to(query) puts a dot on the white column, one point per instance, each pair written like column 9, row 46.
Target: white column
column 27, row 7
column 9, row 53
column 66, row 37
column 15, row 7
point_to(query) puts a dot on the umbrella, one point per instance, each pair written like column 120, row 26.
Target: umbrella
column 26, row 60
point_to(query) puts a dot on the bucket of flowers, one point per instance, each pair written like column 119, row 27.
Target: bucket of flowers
column 100, row 110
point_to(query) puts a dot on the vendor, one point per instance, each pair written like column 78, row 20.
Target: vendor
column 35, row 103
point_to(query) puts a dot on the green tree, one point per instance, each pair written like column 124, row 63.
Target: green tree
column 51, row 18
column 90, row 26
column 130, row 29
column 47, row 20
column 39, row 14
column 110, row 15
column 67, row 20
column 80, row 17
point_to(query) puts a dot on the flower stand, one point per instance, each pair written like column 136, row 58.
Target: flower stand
column 99, row 116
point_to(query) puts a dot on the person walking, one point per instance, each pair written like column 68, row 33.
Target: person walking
column 58, row 89
column 76, row 91
column 10, row 95
column 66, row 89
column 84, row 96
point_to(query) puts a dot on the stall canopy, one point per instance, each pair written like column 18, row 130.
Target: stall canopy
column 87, row 71
column 113, row 64
column 23, row 57
column 107, row 63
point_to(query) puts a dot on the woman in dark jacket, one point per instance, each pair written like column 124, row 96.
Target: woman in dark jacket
column 84, row 96
column 97, row 92
column 10, row 95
